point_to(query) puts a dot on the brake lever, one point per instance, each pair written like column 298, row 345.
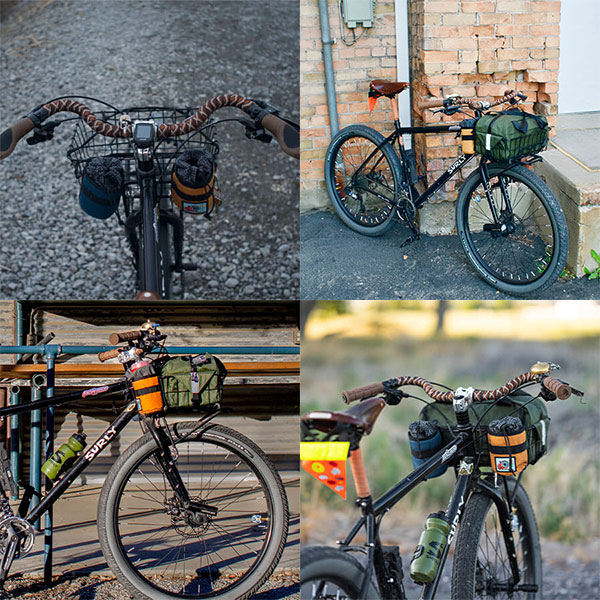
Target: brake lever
column 43, row 132
column 255, row 132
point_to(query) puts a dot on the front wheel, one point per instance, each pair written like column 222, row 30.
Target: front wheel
column 522, row 248
column 329, row 573
column 161, row 550
column 363, row 179
column 481, row 568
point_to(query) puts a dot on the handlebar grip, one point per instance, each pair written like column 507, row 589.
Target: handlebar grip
column 561, row 389
column 104, row 356
column 286, row 134
column 433, row 103
column 118, row 338
column 361, row 393
column 11, row 136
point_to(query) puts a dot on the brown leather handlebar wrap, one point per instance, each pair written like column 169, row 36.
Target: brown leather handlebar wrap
column 367, row 391
column 104, row 356
column 117, row 338
column 433, row 103
column 438, row 395
column 561, row 389
column 11, row 136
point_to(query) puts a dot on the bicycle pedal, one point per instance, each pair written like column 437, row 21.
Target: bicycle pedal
column 185, row 267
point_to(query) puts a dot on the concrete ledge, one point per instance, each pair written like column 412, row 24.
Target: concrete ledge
column 578, row 192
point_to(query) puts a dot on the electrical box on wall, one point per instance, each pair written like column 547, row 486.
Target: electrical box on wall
column 358, row 11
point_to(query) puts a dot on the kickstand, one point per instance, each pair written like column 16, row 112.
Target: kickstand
column 413, row 238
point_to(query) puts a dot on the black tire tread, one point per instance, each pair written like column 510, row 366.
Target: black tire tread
column 467, row 541
column 147, row 438
column 561, row 239
column 392, row 158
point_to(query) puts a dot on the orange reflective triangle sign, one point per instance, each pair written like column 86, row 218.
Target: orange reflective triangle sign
column 331, row 473
column 372, row 103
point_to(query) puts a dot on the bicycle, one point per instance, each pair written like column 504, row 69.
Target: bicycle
column 190, row 510
column 510, row 225
column 497, row 545
column 148, row 141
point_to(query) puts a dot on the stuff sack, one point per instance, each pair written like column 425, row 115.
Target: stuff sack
column 193, row 182
column 507, row 444
column 147, row 390
column 425, row 440
column 101, row 187
column 192, row 381
column 531, row 411
column 510, row 135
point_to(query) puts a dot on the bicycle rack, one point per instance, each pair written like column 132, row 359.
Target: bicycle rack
column 51, row 351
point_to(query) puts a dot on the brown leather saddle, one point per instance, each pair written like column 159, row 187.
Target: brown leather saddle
column 384, row 87
column 363, row 415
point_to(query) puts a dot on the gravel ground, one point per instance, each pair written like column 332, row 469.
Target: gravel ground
column 569, row 572
column 283, row 584
column 157, row 53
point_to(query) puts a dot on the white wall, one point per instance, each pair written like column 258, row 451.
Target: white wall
column 401, row 10
column 579, row 73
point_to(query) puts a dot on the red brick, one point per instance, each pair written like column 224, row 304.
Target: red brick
column 441, row 6
column 494, row 18
column 460, row 43
column 492, row 43
column 513, row 53
column 539, row 76
column 549, row 87
column 551, row 17
column 491, row 89
column 527, row 64
column 478, row 30
column 459, row 19
column 552, row 42
column 528, row 42
column 494, row 66
column 544, row 29
column 552, row 65
column 442, row 80
column 544, row 53
column 439, row 56
column 545, row 6
column 477, row 6
column 469, row 56
column 513, row 6
column 443, row 31
column 512, row 30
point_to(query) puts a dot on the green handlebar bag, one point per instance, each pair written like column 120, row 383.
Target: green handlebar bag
column 192, row 382
column 510, row 135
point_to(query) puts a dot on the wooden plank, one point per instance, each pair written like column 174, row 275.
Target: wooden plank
column 89, row 371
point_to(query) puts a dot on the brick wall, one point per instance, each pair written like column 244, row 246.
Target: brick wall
column 478, row 48
column 473, row 48
column 373, row 56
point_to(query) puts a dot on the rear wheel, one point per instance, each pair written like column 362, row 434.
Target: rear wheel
column 362, row 180
column 524, row 249
column 331, row 574
column 481, row 568
column 161, row 550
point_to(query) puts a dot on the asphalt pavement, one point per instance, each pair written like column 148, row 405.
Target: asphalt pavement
column 337, row 263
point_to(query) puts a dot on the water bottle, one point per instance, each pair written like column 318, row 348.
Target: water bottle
column 425, row 560
column 65, row 454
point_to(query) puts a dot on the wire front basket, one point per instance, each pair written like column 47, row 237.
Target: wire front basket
column 87, row 144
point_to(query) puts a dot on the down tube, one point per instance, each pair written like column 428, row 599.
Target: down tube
column 83, row 462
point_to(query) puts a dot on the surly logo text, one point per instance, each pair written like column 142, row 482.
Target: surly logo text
column 461, row 161
column 108, row 435
column 94, row 391
column 450, row 452
column 455, row 520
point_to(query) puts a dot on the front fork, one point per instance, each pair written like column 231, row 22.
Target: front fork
column 487, row 187
column 166, row 456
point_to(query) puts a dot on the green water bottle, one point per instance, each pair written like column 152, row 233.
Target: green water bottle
column 425, row 560
column 65, row 454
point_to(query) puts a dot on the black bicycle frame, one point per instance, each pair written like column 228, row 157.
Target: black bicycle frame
column 93, row 451
column 373, row 511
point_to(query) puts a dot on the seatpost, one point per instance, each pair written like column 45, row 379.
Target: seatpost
column 395, row 112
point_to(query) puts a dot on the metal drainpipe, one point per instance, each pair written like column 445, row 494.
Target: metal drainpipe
column 326, row 42
column 19, row 326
